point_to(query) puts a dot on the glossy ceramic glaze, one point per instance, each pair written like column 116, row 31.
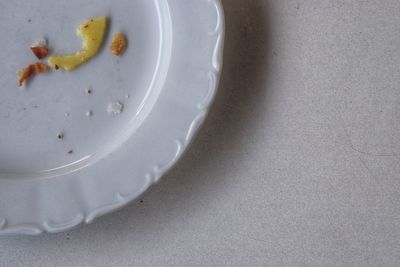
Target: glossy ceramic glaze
column 166, row 82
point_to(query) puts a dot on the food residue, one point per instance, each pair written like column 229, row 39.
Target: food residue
column 30, row 71
column 115, row 108
column 92, row 33
column 39, row 49
column 60, row 135
column 118, row 44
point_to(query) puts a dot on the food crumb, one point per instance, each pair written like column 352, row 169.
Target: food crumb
column 89, row 91
column 70, row 151
column 89, row 113
column 60, row 135
column 40, row 43
column 115, row 108
column 90, row 48
column 39, row 49
column 118, row 45
column 40, row 52
column 31, row 70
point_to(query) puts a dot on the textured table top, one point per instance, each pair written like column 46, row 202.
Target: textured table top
column 297, row 165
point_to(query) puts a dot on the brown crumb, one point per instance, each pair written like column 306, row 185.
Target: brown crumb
column 56, row 67
column 70, row 151
column 89, row 91
column 39, row 48
column 119, row 44
column 60, row 135
column 40, row 52
column 30, row 71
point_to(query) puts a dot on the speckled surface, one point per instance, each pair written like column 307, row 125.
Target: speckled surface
column 297, row 165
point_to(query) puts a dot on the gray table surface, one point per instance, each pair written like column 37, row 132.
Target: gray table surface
column 297, row 165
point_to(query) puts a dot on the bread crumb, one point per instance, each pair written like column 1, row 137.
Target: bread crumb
column 60, row 135
column 40, row 52
column 115, row 108
column 70, row 151
column 118, row 45
column 30, row 71
column 40, row 43
column 39, row 49
column 89, row 91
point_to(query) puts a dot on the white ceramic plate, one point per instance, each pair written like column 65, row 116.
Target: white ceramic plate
column 166, row 81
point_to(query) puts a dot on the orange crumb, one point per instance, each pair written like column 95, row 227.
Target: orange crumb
column 40, row 52
column 118, row 45
column 30, row 71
